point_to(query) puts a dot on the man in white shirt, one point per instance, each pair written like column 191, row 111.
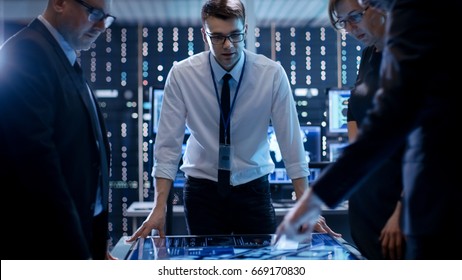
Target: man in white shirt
column 260, row 94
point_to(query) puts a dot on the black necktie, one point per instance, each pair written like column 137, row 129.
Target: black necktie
column 90, row 103
column 224, row 175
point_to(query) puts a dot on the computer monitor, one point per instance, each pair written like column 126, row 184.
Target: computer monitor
column 157, row 96
column 337, row 110
column 311, row 137
column 335, row 149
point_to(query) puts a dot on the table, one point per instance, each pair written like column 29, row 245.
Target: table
column 241, row 247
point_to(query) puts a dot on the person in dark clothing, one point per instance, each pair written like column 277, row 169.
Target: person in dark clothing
column 374, row 209
column 417, row 106
column 53, row 137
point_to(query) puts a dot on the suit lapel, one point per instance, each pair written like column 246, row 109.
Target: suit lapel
column 98, row 128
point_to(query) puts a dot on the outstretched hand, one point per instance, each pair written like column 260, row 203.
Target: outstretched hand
column 155, row 220
column 322, row 227
column 392, row 238
column 302, row 219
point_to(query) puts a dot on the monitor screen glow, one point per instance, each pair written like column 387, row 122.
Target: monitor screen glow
column 337, row 108
column 311, row 136
column 157, row 96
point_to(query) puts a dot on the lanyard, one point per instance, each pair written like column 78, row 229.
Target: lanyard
column 227, row 121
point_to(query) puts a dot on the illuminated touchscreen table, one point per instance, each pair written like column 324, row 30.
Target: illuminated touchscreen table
column 243, row 247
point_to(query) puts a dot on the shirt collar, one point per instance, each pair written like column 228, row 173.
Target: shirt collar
column 68, row 50
column 220, row 72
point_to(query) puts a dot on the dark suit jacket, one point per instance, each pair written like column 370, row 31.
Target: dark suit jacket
column 49, row 152
column 419, row 107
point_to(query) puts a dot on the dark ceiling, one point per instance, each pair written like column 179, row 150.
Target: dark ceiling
column 261, row 13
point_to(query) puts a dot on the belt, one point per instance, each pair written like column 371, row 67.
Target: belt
column 262, row 179
column 259, row 180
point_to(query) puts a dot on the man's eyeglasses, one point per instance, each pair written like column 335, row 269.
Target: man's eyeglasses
column 220, row 39
column 95, row 14
column 354, row 18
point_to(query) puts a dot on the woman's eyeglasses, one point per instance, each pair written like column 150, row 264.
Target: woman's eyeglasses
column 354, row 18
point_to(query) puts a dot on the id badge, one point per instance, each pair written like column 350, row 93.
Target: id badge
column 224, row 157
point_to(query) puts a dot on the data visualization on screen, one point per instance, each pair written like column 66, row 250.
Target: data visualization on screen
column 337, row 110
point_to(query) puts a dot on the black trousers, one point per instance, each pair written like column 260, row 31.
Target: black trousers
column 248, row 209
column 100, row 236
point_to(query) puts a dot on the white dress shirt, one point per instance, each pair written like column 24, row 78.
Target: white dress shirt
column 264, row 97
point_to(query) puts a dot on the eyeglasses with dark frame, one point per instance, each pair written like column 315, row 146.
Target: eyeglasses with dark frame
column 220, row 39
column 95, row 14
column 354, row 18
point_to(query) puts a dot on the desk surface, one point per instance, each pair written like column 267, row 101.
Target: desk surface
column 242, row 247
column 143, row 208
